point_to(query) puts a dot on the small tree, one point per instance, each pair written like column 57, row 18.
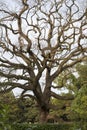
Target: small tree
column 37, row 43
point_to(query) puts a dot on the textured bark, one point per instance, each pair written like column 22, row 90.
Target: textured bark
column 43, row 116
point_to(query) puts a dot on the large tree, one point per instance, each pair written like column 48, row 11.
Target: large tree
column 38, row 41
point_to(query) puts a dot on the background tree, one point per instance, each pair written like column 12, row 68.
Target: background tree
column 6, row 109
column 27, row 111
column 37, row 43
column 76, row 83
column 80, row 103
column 68, row 80
column 62, row 113
column 14, row 110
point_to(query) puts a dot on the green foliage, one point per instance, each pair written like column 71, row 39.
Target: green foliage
column 76, row 84
column 43, row 127
column 20, row 126
column 14, row 110
column 52, row 127
column 82, row 71
column 79, row 105
column 73, row 126
column 5, row 109
column 27, row 111
column 4, row 117
column 63, row 112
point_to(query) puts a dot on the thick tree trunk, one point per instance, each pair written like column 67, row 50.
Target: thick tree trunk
column 43, row 116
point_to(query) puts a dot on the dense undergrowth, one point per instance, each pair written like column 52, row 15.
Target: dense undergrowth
column 26, row 126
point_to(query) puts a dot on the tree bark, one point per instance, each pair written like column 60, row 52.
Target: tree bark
column 43, row 116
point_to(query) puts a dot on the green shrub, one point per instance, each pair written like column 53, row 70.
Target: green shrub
column 26, row 126
column 4, row 117
column 51, row 127
column 21, row 126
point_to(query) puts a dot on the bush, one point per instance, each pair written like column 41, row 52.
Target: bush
column 52, row 127
column 4, row 117
column 26, row 126
column 20, row 126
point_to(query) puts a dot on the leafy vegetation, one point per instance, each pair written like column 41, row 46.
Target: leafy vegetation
column 4, row 115
column 75, row 83
column 43, row 127
column 79, row 105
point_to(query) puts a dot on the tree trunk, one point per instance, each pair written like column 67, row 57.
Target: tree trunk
column 43, row 116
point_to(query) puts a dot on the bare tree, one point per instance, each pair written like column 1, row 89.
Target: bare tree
column 37, row 43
